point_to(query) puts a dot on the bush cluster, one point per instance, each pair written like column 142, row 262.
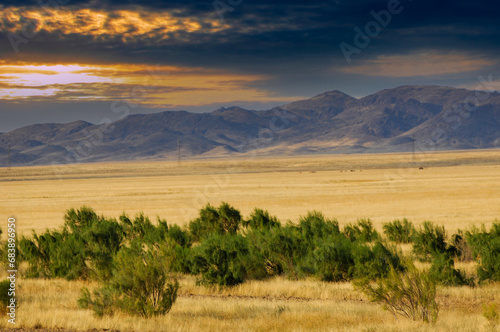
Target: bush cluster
column 136, row 260
column 486, row 247
column 220, row 246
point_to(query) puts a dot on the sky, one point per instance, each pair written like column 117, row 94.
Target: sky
column 67, row 60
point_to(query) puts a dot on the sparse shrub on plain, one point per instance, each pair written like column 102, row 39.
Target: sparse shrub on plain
column 180, row 236
column 489, row 262
column 314, row 225
column 260, row 261
column 286, row 247
column 334, row 259
column 443, row 272
column 142, row 228
column 219, row 260
column 54, row 254
column 177, row 258
column 375, row 261
column 430, row 240
column 222, row 220
column 411, row 294
column 464, row 251
column 362, row 231
column 141, row 285
column 486, row 247
column 84, row 248
column 101, row 241
column 399, row 231
column 260, row 219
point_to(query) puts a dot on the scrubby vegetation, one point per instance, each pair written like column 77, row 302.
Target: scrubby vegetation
column 137, row 262
column 411, row 294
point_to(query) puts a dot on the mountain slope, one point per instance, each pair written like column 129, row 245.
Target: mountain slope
column 437, row 118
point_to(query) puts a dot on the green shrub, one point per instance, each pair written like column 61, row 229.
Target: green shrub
column 142, row 228
column 411, row 294
column 262, row 258
column 443, row 272
column 222, row 220
column 77, row 220
column 464, row 251
column 399, row 231
column 54, row 254
column 315, row 226
column 84, row 248
column 180, row 236
column 362, row 231
column 489, row 262
column 286, row 248
column 101, row 241
column 334, row 260
column 376, row 261
column 486, row 247
column 176, row 257
column 141, row 285
column 219, row 260
column 430, row 240
column 260, row 219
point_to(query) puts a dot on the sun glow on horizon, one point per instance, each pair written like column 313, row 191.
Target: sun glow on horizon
column 150, row 86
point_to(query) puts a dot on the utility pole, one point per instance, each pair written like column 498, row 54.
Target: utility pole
column 8, row 156
column 178, row 151
column 413, row 148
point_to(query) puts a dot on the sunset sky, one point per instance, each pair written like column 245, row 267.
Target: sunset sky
column 64, row 60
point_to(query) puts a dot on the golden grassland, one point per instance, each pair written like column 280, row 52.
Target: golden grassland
column 454, row 189
column 273, row 305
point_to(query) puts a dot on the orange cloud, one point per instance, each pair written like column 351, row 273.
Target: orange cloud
column 124, row 24
column 418, row 64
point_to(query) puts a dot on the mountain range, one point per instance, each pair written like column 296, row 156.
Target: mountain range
column 406, row 118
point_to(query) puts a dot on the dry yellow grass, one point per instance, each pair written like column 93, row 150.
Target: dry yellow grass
column 455, row 189
column 275, row 305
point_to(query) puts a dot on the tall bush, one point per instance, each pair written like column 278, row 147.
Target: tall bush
column 219, row 260
column 334, row 259
column 430, row 240
column 260, row 219
column 399, row 231
column 411, row 294
column 141, row 285
column 443, row 272
column 362, row 231
column 222, row 220
column 486, row 247
column 375, row 261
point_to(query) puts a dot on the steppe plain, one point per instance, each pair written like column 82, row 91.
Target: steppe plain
column 454, row 189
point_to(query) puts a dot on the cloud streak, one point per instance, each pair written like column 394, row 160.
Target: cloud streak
column 419, row 64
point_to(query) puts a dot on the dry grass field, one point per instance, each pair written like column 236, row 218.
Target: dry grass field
column 455, row 189
column 273, row 305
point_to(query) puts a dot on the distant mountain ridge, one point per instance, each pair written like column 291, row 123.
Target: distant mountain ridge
column 391, row 120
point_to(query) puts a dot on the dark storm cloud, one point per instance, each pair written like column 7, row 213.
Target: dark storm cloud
column 295, row 43
column 288, row 30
